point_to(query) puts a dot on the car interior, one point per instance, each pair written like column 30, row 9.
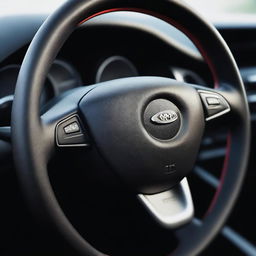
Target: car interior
column 127, row 127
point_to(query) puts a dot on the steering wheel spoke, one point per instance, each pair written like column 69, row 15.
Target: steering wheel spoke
column 62, row 125
column 172, row 208
column 215, row 105
column 71, row 133
column 219, row 102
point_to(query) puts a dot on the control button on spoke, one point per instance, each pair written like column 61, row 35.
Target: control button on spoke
column 71, row 128
column 215, row 105
column 70, row 133
column 213, row 101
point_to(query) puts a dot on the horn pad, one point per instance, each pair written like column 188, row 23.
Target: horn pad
column 148, row 155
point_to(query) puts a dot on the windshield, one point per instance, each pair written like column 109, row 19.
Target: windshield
column 8, row 7
column 224, row 6
column 212, row 9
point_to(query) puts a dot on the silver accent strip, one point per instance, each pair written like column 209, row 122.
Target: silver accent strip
column 217, row 115
column 171, row 208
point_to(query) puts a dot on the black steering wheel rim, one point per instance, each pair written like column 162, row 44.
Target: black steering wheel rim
column 31, row 150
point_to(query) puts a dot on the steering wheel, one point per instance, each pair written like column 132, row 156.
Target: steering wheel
column 147, row 129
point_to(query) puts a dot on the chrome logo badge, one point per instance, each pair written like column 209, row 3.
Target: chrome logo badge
column 165, row 117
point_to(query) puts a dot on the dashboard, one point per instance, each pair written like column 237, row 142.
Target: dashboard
column 137, row 45
column 82, row 60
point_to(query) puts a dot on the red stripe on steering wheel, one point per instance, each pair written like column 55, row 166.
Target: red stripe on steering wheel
column 211, row 67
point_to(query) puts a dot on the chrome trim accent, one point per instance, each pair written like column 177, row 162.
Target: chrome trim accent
column 171, row 208
column 217, row 115
column 165, row 117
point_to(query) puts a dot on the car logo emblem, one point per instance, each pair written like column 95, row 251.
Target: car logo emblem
column 165, row 117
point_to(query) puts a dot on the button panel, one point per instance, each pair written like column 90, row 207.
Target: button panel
column 215, row 105
column 70, row 133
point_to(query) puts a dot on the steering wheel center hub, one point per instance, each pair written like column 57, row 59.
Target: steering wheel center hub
column 144, row 128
